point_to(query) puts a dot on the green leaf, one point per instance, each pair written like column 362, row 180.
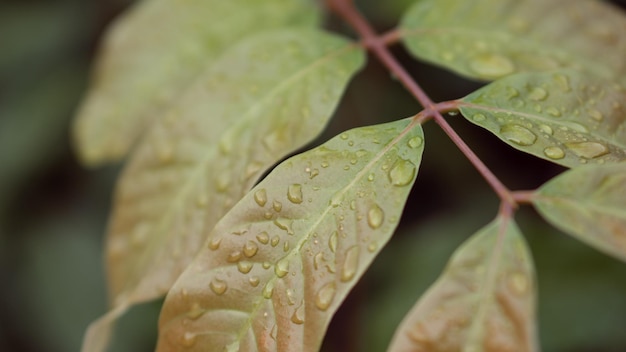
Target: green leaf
column 484, row 300
column 154, row 52
column 196, row 163
column 489, row 39
column 589, row 203
column 275, row 269
column 563, row 116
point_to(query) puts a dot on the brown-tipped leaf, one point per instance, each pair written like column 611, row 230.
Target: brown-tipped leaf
column 275, row 269
column 589, row 203
column 484, row 300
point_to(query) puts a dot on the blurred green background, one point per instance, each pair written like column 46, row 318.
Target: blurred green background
column 53, row 212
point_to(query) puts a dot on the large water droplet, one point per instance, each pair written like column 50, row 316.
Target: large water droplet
column 402, row 173
column 294, row 193
column 282, row 267
column 244, row 267
column 275, row 241
column 260, row 197
column 375, row 217
column 588, row 150
column 518, row 134
column 254, row 281
column 415, row 142
column 298, row 315
column 278, row 206
column 492, row 65
column 263, row 237
column 218, row 286
column 325, row 296
column 250, row 249
column 350, row 264
column 554, row 153
column 284, row 224
column 538, row 94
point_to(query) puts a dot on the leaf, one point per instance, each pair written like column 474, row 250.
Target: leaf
column 563, row 116
column 195, row 164
column 588, row 203
column 141, row 71
column 275, row 269
column 489, row 39
column 484, row 300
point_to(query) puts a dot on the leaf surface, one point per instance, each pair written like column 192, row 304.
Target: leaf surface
column 483, row 301
column 275, row 269
column 489, row 39
column 212, row 146
column 154, row 52
column 590, row 204
column 564, row 116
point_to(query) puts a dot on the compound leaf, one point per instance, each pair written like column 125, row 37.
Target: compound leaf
column 589, row 203
column 266, row 97
column 484, row 300
column 489, row 39
column 140, row 69
column 275, row 269
column 565, row 116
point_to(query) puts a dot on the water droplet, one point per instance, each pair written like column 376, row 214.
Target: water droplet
column 546, row 129
column 244, row 267
column 375, row 217
column 350, row 264
column 188, row 339
column 275, row 241
column 492, row 65
column 274, row 332
column 233, row 347
column 332, row 241
column 325, row 296
column 324, row 164
column 518, row 283
column 294, row 193
column 268, row 290
column 563, row 82
column 518, row 135
column 284, row 224
column 402, row 173
column 250, row 249
column 344, row 136
column 214, row 244
column 575, row 126
column 254, row 281
column 263, row 237
column 538, row 94
column 596, row 115
column 554, row 153
column 266, row 265
column 195, row 312
column 218, row 286
column 553, row 111
column 415, row 142
column 282, row 268
column 286, row 246
column 372, row 247
column 479, row 117
column 291, row 299
column 260, row 197
column 298, row 315
column 588, row 150
column 234, row 257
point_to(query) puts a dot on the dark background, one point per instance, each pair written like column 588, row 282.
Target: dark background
column 53, row 212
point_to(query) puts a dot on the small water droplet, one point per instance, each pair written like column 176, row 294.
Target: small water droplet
column 284, row 224
column 492, row 65
column 233, row 347
column 553, row 111
column 546, row 129
column 372, row 247
column 325, row 296
column 575, row 126
column 278, row 206
column 291, row 299
column 222, row 182
column 282, row 268
column 588, row 150
column 260, row 197
column 263, row 237
column 234, row 257
column 254, row 281
column 195, row 312
column 294, row 193
column 268, row 290
column 402, row 173
column 415, row 142
column 214, row 244
column 266, row 265
column 324, row 164
column 250, row 249
column 317, row 260
column 479, row 117
column 275, row 241
column 538, row 94
column 218, row 286
column 244, row 267
column 596, row 115
column 286, row 246
column 518, row 134
column 332, row 241
column 563, row 82
column 371, row 177
column 344, row 136
column 350, row 264
column 375, row 217
column 188, row 339
column 554, row 153
column 298, row 315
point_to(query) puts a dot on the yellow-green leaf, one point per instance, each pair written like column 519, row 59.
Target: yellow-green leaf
column 154, row 52
column 275, row 269
column 589, row 203
column 483, row 301
column 266, row 97
column 489, row 39
column 564, row 116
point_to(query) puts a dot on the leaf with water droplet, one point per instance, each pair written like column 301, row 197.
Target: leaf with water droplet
column 554, row 115
column 490, row 39
column 483, row 301
column 139, row 74
column 218, row 134
column 326, row 245
column 589, row 203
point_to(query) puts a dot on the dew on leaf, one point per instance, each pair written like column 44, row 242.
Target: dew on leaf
column 563, row 82
column 291, row 300
column 596, row 115
column 492, row 65
column 479, row 117
column 250, row 249
column 371, row 177
column 298, row 315
column 286, row 246
column 266, row 265
column 372, row 247
column 415, row 142
column 588, row 150
column 538, row 94
column 188, row 339
column 268, row 290
column 317, row 260
column 195, row 312
column 332, row 241
column 244, row 267
column 234, row 256
column 325, row 296
column 546, row 129
column 260, row 197
column 553, row 111
column 350, row 264
column 294, row 193
column 281, row 268
column 554, row 153
column 275, row 241
column 375, row 217
column 284, row 224
column 218, row 286
column 214, row 244
column 254, row 281
column 233, row 347
column 263, row 238
column 402, row 173
column 518, row 134
column 277, row 206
